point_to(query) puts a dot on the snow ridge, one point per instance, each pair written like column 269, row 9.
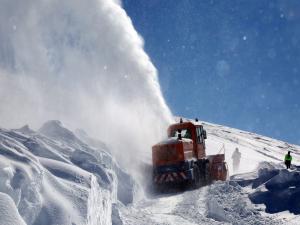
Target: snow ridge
column 56, row 178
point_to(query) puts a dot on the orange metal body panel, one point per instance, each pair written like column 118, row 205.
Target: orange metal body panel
column 198, row 148
column 218, row 167
column 165, row 154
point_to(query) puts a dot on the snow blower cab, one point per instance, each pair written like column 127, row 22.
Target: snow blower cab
column 182, row 157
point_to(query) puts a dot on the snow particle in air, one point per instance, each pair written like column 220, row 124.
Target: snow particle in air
column 295, row 70
column 222, row 68
column 272, row 53
column 244, row 38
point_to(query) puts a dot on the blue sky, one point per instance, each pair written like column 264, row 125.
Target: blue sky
column 235, row 63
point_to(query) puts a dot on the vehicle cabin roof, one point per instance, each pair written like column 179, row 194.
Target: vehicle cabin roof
column 183, row 125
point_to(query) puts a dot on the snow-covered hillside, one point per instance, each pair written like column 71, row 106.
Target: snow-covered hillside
column 56, row 176
column 254, row 148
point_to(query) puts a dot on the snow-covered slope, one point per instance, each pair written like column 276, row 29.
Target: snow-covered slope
column 254, row 148
column 56, row 176
column 53, row 177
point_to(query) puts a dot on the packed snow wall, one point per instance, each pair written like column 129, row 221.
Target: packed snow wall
column 83, row 63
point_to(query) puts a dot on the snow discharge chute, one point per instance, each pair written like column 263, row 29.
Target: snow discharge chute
column 81, row 62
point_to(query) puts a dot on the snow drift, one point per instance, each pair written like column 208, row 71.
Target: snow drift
column 81, row 62
column 53, row 177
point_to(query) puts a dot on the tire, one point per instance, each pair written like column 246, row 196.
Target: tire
column 196, row 182
column 204, row 172
column 158, row 188
column 207, row 174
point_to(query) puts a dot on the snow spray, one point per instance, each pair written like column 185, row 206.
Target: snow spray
column 83, row 63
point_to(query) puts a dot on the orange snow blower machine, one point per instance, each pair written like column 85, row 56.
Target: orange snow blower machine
column 182, row 158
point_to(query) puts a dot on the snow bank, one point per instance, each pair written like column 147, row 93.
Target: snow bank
column 277, row 188
column 94, row 160
column 53, row 177
column 228, row 202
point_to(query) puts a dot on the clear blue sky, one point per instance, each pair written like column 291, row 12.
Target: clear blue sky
column 230, row 62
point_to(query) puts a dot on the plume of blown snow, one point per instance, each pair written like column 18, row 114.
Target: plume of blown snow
column 83, row 63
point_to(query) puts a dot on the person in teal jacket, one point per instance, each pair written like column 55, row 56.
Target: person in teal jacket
column 288, row 160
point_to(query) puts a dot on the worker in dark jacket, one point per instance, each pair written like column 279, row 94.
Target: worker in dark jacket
column 288, row 160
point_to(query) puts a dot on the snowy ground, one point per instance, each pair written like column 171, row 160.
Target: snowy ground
column 56, row 176
column 220, row 203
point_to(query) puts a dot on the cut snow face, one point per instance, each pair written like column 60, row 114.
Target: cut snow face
column 82, row 63
column 53, row 177
column 275, row 187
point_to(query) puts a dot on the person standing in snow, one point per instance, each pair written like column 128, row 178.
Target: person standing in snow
column 288, row 160
column 236, row 157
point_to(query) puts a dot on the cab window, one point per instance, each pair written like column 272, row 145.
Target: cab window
column 199, row 136
column 185, row 133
